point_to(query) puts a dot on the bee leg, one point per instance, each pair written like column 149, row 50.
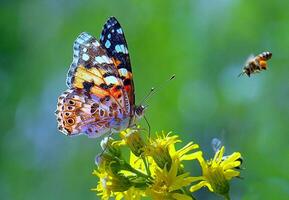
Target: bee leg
column 258, row 67
column 241, row 74
column 248, row 72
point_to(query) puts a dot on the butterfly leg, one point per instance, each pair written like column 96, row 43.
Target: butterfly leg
column 106, row 143
column 149, row 126
column 135, row 127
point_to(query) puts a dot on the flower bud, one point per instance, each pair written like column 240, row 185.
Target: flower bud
column 134, row 140
column 218, row 181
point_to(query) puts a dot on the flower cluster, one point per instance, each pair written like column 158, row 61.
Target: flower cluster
column 155, row 168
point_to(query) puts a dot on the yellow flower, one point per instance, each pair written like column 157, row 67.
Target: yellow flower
column 182, row 153
column 116, row 177
column 122, row 185
column 159, row 149
column 133, row 139
column 133, row 194
column 142, row 164
column 169, row 185
column 156, row 169
column 217, row 172
column 110, row 185
column 169, row 181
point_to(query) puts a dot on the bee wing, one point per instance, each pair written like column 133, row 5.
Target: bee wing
column 249, row 59
column 216, row 144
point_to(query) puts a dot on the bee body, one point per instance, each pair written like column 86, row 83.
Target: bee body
column 256, row 64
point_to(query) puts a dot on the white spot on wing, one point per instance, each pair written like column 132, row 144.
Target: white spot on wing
column 103, row 59
column 121, row 49
column 83, row 39
column 76, row 53
column 96, row 43
column 84, row 49
column 119, row 31
column 117, row 48
column 79, row 40
column 125, row 50
column 85, row 57
column 122, row 71
column 106, row 59
column 107, row 44
column 110, row 79
column 75, row 59
column 99, row 59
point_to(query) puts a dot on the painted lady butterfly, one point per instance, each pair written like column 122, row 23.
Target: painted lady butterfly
column 100, row 98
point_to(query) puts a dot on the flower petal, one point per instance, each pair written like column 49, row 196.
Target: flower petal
column 231, row 165
column 219, row 155
column 235, row 156
column 200, row 185
column 190, row 146
column 181, row 181
column 191, row 156
column 229, row 174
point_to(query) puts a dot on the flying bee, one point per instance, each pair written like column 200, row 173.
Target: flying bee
column 257, row 63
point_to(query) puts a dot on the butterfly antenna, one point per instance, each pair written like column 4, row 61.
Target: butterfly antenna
column 149, row 126
column 153, row 90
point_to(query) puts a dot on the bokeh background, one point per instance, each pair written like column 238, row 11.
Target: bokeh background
column 204, row 42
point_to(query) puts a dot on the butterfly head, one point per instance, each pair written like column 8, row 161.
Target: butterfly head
column 139, row 111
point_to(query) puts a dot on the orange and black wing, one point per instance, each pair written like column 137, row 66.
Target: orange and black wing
column 113, row 40
column 93, row 71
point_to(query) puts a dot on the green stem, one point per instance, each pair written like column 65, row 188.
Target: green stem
column 227, row 196
column 146, row 165
column 185, row 191
column 128, row 167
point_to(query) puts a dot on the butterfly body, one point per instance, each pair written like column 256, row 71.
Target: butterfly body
column 100, row 98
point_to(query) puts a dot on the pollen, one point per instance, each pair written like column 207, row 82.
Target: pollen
column 263, row 64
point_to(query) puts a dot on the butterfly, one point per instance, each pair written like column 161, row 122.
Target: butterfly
column 100, row 97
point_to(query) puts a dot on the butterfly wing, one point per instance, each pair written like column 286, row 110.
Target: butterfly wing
column 100, row 101
column 94, row 71
column 77, row 112
column 113, row 40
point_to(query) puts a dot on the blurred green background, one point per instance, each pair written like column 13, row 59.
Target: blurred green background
column 204, row 42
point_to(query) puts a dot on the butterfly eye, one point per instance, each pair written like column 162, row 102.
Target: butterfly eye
column 71, row 102
column 101, row 113
column 67, row 114
column 70, row 121
column 70, row 107
column 89, row 130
